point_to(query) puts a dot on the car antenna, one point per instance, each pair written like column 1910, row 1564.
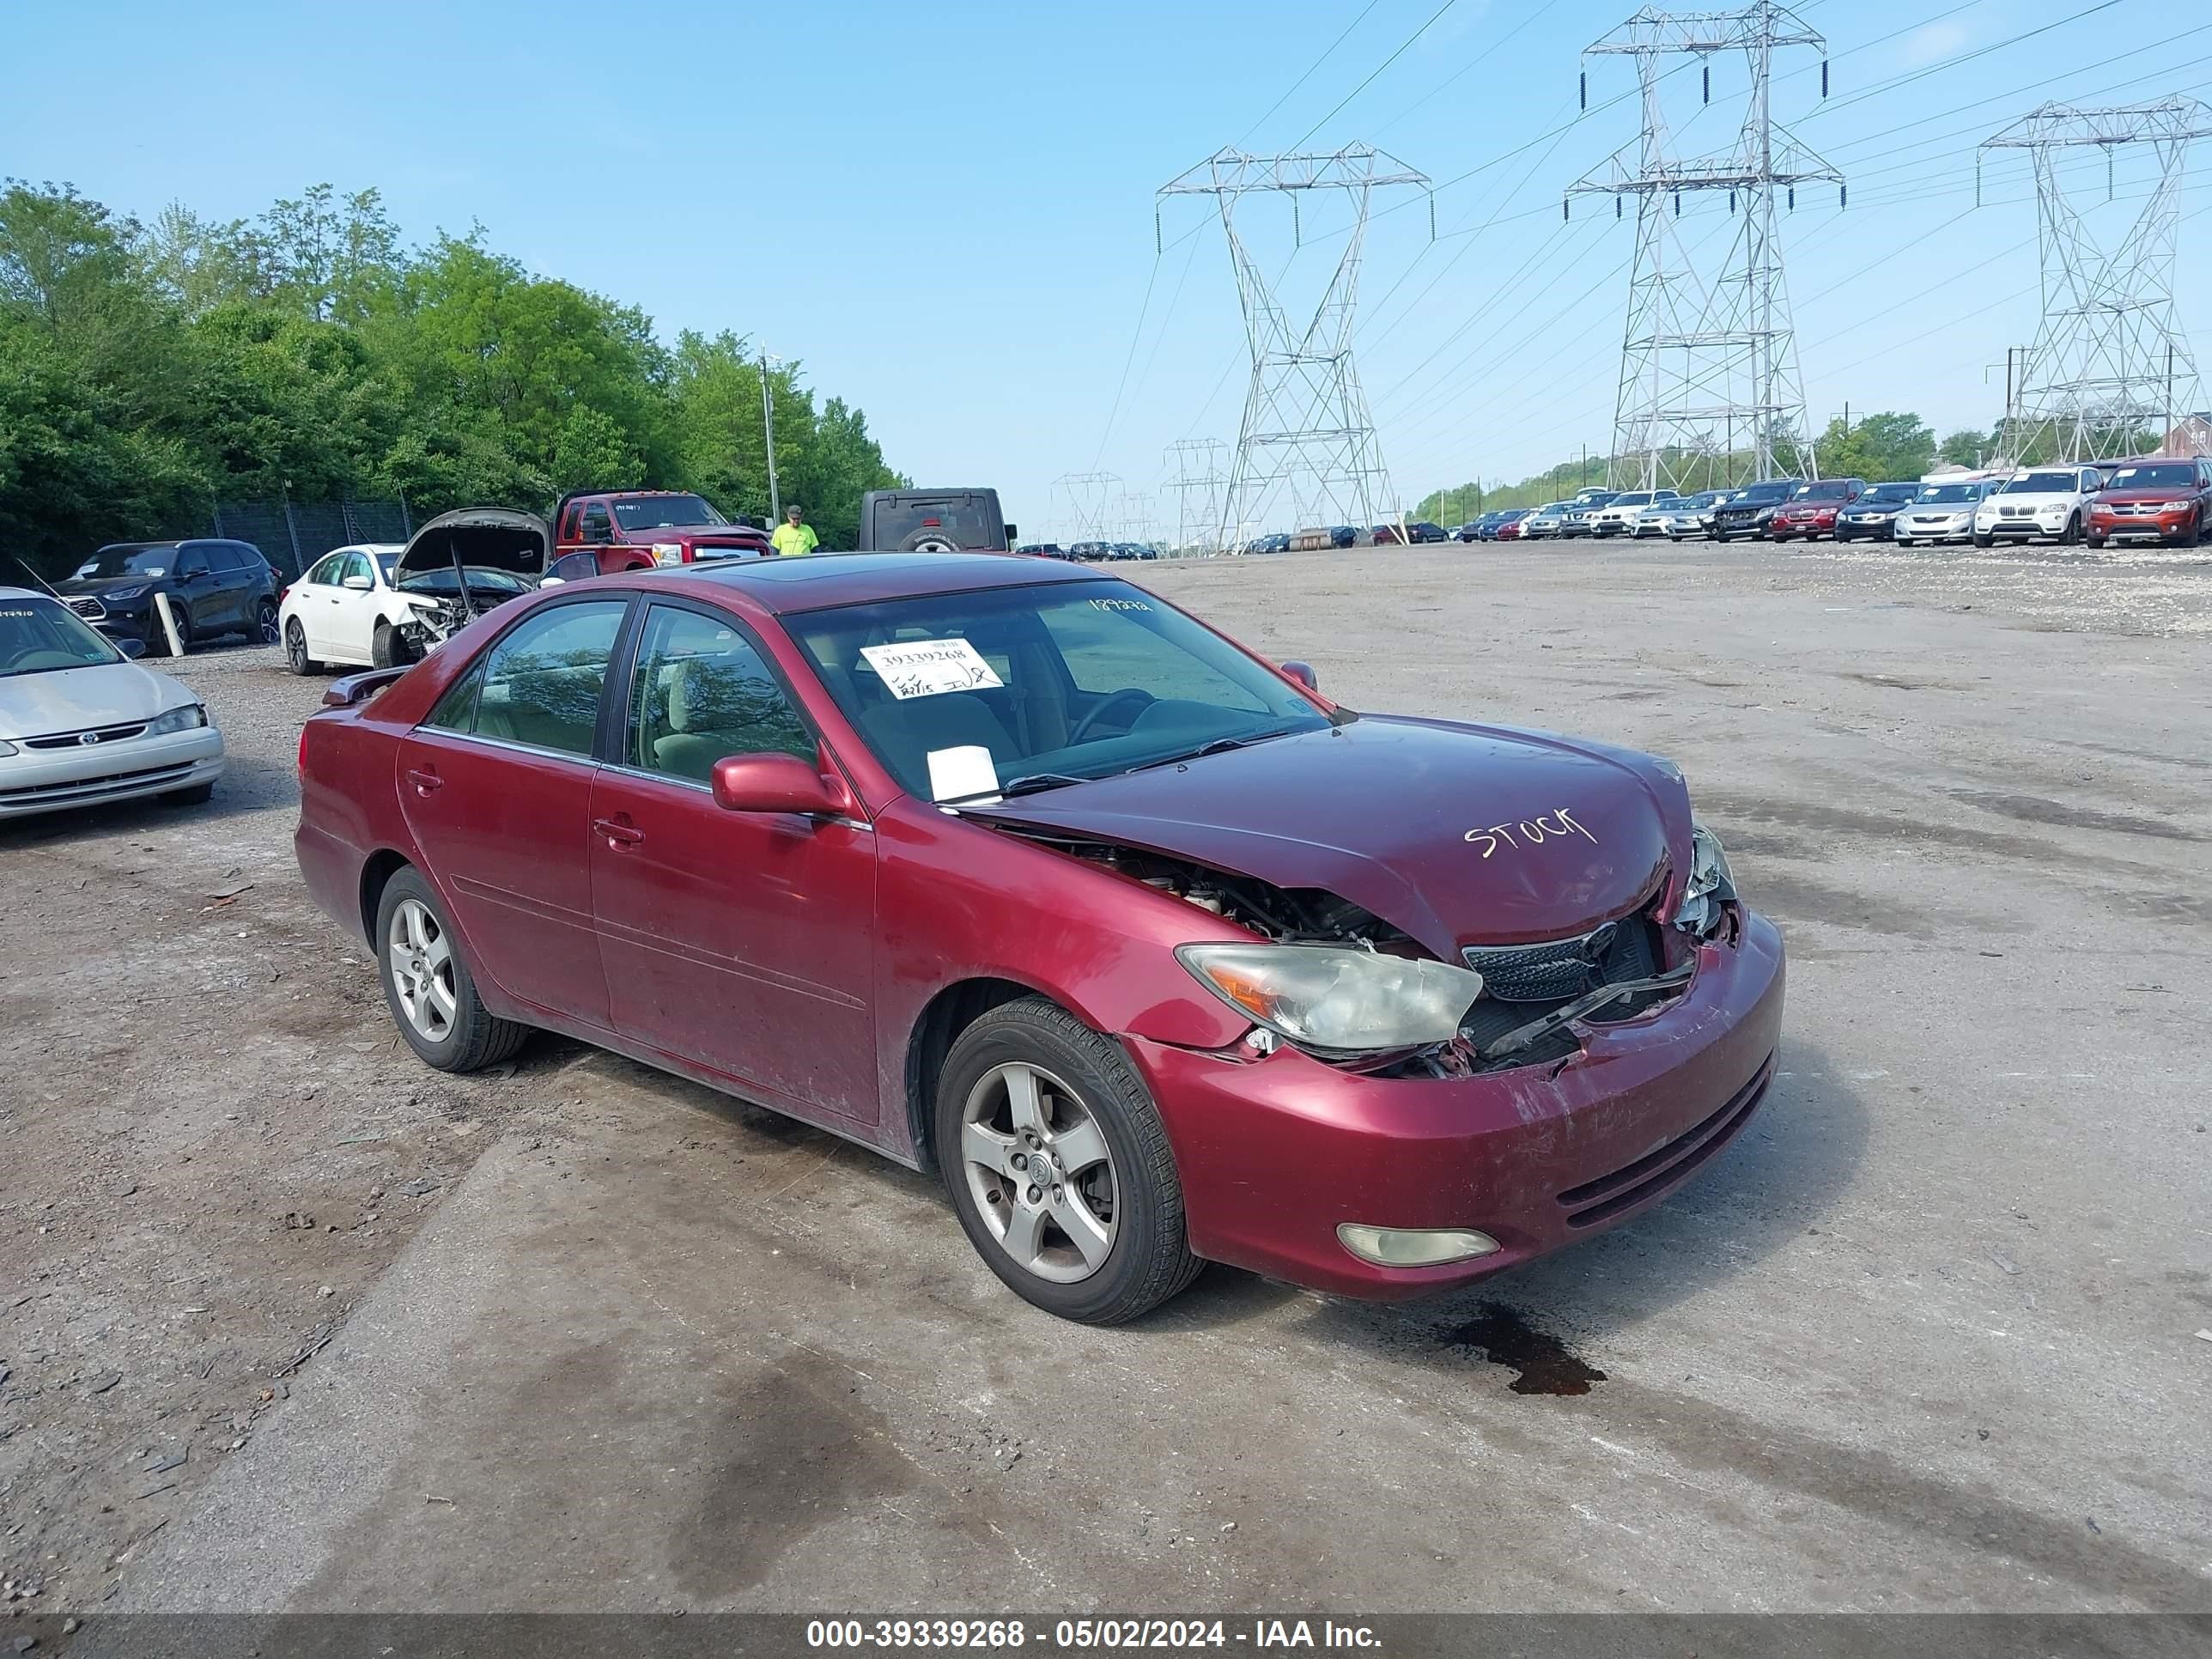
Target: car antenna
column 36, row 577
column 461, row 576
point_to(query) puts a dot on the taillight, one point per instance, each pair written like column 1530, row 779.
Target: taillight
column 284, row 593
column 303, row 752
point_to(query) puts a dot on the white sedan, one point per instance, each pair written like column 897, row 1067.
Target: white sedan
column 345, row 610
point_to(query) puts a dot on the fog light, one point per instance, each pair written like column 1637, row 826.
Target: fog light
column 1414, row 1247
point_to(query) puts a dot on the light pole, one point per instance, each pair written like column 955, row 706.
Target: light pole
column 767, row 432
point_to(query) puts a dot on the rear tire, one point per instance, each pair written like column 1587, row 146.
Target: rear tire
column 295, row 649
column 264, row 623
column 430, row 990
column 1083, row 1085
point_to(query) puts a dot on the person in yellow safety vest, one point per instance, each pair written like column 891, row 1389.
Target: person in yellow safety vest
column 792, row 538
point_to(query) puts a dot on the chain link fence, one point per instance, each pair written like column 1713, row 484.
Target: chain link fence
column 293, row 535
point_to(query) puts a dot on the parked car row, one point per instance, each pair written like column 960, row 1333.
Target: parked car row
column 1091, row 552
column 2157, row 498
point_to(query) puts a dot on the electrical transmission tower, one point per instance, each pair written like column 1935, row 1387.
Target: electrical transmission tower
column 2110, row 364
column 1197, row 482
column 1306, row 433
column 1709, row 360
column 1090, row 502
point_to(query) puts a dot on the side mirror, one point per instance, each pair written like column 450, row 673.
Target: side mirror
column 779, row 783
column 132, row 649
column 358, row 584
column 1013, row 534
column 571, row 568
column 1304, row 674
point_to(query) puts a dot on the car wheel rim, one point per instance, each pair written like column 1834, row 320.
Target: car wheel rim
column 268, row 621
column 296, row 645
column 1039, row 1168
column 421, row 963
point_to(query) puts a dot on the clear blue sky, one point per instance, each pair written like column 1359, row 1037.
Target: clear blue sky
column 947, row 212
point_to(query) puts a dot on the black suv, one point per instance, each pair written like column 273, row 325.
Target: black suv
column 214, row 586
column 1744, row 512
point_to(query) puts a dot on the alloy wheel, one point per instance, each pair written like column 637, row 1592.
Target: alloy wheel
column 421, row 965
column 1040, row 1172
column 296, row 645
column 265, row 632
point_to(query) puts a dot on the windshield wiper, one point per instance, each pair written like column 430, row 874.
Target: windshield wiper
column 1029, row 784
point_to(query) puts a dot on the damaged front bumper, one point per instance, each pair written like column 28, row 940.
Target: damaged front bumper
column 1276, row 1152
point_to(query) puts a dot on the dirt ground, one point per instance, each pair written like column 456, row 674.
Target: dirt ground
column 271, row 1336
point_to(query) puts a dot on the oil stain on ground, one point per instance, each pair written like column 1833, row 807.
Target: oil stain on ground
column 1542, row 1362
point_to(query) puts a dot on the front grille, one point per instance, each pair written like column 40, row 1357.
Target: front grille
column 1524, row 982
column 1665, row 1166
column 84, row 739
column 1558, row 969
column 77, row 786
column 90, row 610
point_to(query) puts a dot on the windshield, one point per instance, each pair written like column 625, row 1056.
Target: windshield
column 482, row 579
column 2041, row 483
column 38, row 635
column 1965, row 492
column 1759, row 493
column 1888, row 494
column 2179, row 475
column 130, row 562
column 965, row 694
column 962, row 521
column 1829, row 491
column 387, row 562
column 663, row 512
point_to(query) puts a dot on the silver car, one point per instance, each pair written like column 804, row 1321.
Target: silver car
column 81, row 722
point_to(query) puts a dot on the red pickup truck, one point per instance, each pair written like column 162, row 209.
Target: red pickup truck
column 637, row 529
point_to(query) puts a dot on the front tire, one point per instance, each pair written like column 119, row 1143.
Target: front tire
column 386, row 649
column 427, row 985
column 1981, row 540
column 198, row 794
column 1059, row 1166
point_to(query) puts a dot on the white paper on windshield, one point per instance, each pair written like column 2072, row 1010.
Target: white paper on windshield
column 962, row 772
column 929, row 668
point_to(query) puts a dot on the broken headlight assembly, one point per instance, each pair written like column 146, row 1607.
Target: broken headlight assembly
column 1711, row 887
column 1334, row 1000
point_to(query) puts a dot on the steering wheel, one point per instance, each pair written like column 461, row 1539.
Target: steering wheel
column 1098, row 710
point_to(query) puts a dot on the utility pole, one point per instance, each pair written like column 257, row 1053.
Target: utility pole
column 768, row 431
column 1307, row 433
column 2110, row 355
column 1707, row 349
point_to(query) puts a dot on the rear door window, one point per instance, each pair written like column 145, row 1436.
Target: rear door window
column 542, row 684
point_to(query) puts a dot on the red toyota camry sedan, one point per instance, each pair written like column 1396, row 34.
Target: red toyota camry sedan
column 1012, row 871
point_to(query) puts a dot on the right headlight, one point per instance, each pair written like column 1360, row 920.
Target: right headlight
column 1711, row 886
column 1335, row 999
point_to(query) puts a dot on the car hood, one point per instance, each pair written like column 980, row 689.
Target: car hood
column 1450, row 833
column 692, row 533
column 70, row 699
column 2131, row 497
column 99, row 585
column 495, row 538
column 2023, row 498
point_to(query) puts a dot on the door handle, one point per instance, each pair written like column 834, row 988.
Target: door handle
column 620, row 832
column 424, row 779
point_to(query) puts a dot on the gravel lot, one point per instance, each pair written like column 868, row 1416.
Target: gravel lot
column 288, row 1321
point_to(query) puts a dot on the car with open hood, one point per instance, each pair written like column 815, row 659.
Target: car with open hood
column 2047, row 503
column 81, row 723
column 1016, row 872
column 2163, row 498
column 461, row 564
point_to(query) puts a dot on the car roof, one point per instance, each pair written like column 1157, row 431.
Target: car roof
column 820, row 580
column 6, row 593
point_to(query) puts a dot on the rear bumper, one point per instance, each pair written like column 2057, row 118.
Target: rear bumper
column 1275, row 1153
column 47, row 780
